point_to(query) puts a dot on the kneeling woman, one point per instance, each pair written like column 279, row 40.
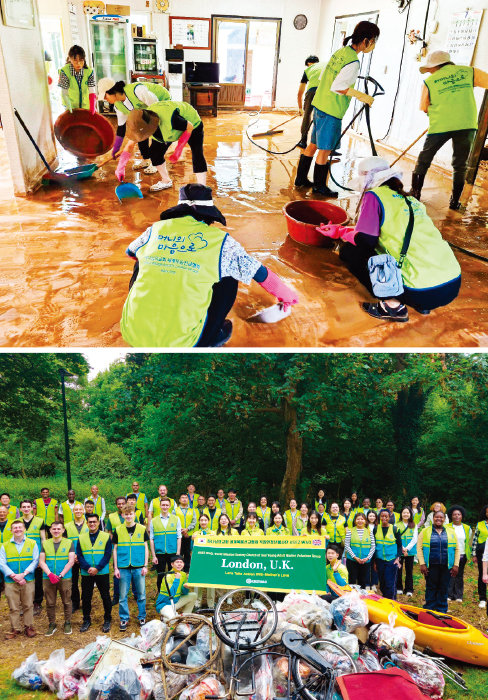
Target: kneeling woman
column 430, row 272
column 186, row 277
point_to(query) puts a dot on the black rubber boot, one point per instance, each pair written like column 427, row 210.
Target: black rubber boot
column 320, row 175
column 457, row 190
column 304, row 164
column 302, row 143
column 417, row 184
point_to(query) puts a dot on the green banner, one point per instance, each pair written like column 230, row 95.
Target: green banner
column 265, row 563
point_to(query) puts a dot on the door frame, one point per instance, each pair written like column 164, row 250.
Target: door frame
column 277, row 59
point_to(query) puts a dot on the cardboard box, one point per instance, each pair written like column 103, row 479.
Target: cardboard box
column 117, row 10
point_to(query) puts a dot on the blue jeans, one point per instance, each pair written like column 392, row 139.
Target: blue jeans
column 134, row 576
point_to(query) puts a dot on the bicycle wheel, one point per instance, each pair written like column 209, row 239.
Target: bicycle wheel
column 245, row 626
column 308, row 682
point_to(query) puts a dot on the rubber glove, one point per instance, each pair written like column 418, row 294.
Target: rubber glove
column 346, row 233
column 117, row 144
column 120, row 169
column 93, row 102
column 67, row 101
column 53, row 578
column 275, row 286
column 182, row 141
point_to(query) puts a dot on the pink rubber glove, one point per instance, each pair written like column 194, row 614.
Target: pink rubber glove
column 275, row 286
column 53, row 578
column 117, row 144
column 93, row 102
column 182, row 141
column 346, row 233
column 120, row 169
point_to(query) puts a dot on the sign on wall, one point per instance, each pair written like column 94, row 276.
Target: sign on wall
column 265, row 563
column 18, row 13
column 463, row 35
column 190, row 32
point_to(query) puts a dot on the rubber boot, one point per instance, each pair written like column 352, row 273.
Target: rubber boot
column 457, row 190
column 320, row 175
column 302, row 143
column 417, row 184
column 304, row 164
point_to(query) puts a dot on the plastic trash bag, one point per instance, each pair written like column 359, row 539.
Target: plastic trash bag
column 203, row 640
column 349, row 612
column 83, row 661
column 386, row 636
column 196, row 657
column 368, row 661
column 424, row 672
column 208, row 686
column 132, row 641
column 175, row 682
column 280, row 675
column 307, row 610
column 27, row 674
column 68, row 686
column 263, row 679
column 347, row 641
column 151, row 633
column 281, row 627
column 118, row 683
column 53, row 670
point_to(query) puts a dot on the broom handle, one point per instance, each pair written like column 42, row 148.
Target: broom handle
column 285, row 122
column 32, row 140
column 408, row 148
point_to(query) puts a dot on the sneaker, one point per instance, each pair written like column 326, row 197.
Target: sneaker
column 449, row 600
column 67, row 628
column 106, row 627
column 141, row 165
column 142, row 621
column 161, row 186
column 382, row 311
column 399, row 592
column 51, row 630
column 150, row 170
column 459, row 600
column 85, row 626
column 482, row 604
column 409, row 594
column 37, row 609
column 123, row 625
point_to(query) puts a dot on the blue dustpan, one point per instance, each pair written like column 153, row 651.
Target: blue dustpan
column 127, row 190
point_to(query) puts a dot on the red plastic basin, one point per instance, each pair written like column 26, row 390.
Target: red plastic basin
column 84, row 134
column 303, row 216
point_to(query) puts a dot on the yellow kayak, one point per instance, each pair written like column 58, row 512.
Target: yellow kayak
column 440, row 632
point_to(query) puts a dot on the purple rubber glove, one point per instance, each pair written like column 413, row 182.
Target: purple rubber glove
column 120, row 169
column 93, row 102
column 118, row 143
column 275, row 286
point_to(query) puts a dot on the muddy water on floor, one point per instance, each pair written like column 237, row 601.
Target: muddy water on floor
column 65, row 274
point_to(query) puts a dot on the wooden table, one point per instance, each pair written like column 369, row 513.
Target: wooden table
column 204, row 97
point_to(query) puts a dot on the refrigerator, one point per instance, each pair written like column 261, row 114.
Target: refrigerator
column 145, row 56
column 110, row 48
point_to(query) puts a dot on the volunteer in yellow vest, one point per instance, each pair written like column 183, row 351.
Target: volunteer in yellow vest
column 126, row 98
column 330, row 102
column 13, row 511
column 359, row 547
column 186, row 277
column 65, row 509
column 203, row 531
column 348, row 512
column 430, row 272
column 155, row 507
column 166, row 122
column 251, row 508
column 93, row 550
column 5, row 536
column 132, row 501
column 290, row 518
column 335, row 525
column 77, row 82
column 418, row 511
column 36, row 530
column 477, row 548
column 320, row 498
column 224, row 528
column 174, row 594
column 448, row 100
column 233, row 508
column 193, row 496
column 56, row 561
column 438, row 555
column 310, row 80
column 463, row 533
column 277, row 527
column 303, row 517
column 334, row 571
column 199, row 504
column 141, row 503
column 213, row 512
column 264, row 512
column 18, row 560
column 164, row 538
column 409, row 534
column 131, row 554
column 46, row 507
column 252, row 529
column 394, row 515
column 314, row 527
column 113, row 521
column 388, row 550
column 98, row 503
column 188, row 521
column 72, row 531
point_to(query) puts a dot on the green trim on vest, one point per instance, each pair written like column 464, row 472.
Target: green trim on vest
column 407, row 536
column 288, row 521
column 6, row 533
column 130, row 550
column 275, row 532
column 451, row 545
column 386, row 546
column 47, row 514
column 67, row 512
column 71, row 531
column 98, row 505
column 185, row 519
column 331, row 102
column 165, row 538
column 57, row 560
column 452, row 103
column 93, row 553
column 166, row 584
column 360, row 547
column 255, row 532
column 467, row 546
column 115, row 520
column 417, row 517
column 265, row 516
column 330, row 574
column 430, row 261
column 156, row 504
column 165, row 110
column 336, row 529
column 77, row 94
column 483, row 531
column 129, row 90
column 34, row 531
column 313, row 74
column 19, row 561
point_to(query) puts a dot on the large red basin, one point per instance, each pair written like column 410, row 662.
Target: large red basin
column 303, row 216
column 84, row 134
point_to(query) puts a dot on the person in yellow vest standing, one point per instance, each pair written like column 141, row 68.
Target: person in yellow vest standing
column 409, row 534
column 310, row 80
column 5, row 536
column 331, row 100
column 164, row 538
column 155, row 505
column 193, row 496
column 438, row 555
column 335, row 525
column 448, row 100
column 213, row 512
column 199, row 505
column 264, row 512
column 13, row 511
column 141, row 503
column 359, row 548
column 65, row 510
column 132, row 501
column 480, row 537
column 98, row 503
column 291, row 518
column 131, row 554
column 463, row 533
column 56, row 561
column 388, row 552
column 233, row 508
column 18, row 561
column 46, row 507
column 36, row 530
column 126, row 98
column 188, row 520
column 113, row 522
column 93, row 550
column 174, row 594
column 77, row 82
column 73, row 531
column 204, row 530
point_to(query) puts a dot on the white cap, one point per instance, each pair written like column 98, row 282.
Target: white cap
column 373, row 172
column 104, row 84
column 435, row 58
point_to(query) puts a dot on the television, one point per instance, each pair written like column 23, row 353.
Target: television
column 198, row 72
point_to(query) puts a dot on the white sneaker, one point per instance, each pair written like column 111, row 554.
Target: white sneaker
column 410, row 594
column 400, row 592
column 161, row 186
column 150, row 170
column 459, row 600
column 141, row 164
column 482, row 604
column 449, row 600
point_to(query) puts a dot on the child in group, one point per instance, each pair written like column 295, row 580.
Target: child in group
column 174, row 593
column 77, row 82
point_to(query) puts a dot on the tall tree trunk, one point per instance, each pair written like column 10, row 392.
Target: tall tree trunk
column 294, row 449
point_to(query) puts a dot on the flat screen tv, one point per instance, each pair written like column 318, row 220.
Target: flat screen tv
column 198, row 72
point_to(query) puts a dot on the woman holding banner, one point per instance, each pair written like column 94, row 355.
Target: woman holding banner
column 224, row 529
column 204, row 531
column 251, row 528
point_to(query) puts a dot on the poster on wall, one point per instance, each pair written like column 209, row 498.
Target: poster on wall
column 463, row 35
column 73, row 23
column 190, row 32
column 18, row 13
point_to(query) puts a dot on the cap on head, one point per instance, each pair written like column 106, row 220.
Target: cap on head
column 104, row 84
column 141, row 124
column 373, row 172
column 434, row 59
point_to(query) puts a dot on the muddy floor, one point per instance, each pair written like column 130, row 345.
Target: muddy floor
column 65, row 274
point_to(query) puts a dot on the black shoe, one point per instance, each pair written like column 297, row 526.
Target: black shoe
column 106, row 627
column 74, row 609
column 320, row 175
column 123, row 625
column 224, row 334
column 303, row 167
column 424, row 312
column 417, row 184
column 85, row 626
column 385, row 312
column 457, row 190
column 336, row 154
column 302, row 143
column 325, row 192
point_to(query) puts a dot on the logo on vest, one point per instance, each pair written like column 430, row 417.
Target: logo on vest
column 182, row 244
